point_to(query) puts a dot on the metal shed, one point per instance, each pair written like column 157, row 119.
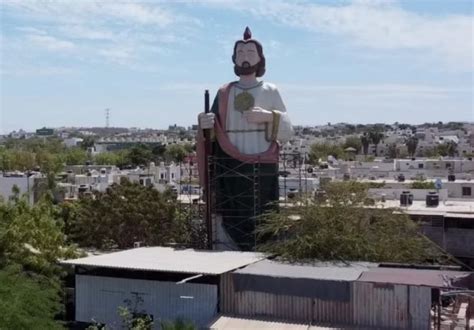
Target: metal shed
column 394, row 298
column 163, row 283
column 315, row 294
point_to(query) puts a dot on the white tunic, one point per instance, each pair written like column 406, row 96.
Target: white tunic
column 250, row 138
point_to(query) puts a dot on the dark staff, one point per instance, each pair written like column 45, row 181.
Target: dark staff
column 207, row 179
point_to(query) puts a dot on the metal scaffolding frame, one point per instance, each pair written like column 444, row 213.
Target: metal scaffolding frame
column 252, row 208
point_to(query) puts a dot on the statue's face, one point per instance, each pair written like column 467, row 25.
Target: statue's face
column 246, row 55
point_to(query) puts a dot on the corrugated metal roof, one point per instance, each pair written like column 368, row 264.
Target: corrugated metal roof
column 171, row 260
column 324, row 271
column 233, row 323
column 431, row 278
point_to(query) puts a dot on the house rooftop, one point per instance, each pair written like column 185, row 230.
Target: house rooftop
column 418, row 277
column 449, row 208
column 334, row 271
column 165, row 259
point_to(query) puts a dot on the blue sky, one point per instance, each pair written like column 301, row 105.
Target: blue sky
column 364, row 61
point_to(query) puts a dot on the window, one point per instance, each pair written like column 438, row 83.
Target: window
column 448, row 165
column 420, row 165
column 466, row 191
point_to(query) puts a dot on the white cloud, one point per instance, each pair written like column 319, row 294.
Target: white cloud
column 122, row 33
column 29, row 29
column 119, row 55
column 78, row 31
column 374, row 24
column 88, row 12
column 51, row 43
column 40, row 71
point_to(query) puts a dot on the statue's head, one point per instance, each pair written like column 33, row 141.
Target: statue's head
column 248, row 56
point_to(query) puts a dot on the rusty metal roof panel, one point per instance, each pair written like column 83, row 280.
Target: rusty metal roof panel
column 418, row 277
column 334, row 271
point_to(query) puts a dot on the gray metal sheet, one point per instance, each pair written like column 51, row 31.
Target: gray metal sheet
column 324, row 271
column 171, row 260
column 380, row 306
column 98, row 298
column 298, row 287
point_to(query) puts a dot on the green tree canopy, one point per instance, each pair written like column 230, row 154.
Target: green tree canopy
column 32, row 236
column 139, row 155
column 176, row 152
column 412, row 143
column 128, row 213
column 353, row 142
column 323, row 150
column 340, row 226
column 422, row 184
column 109, row 158
column 27, row 301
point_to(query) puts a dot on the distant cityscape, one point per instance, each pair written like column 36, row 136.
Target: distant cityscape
column 96, row 175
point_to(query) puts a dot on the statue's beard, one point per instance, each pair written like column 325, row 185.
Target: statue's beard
column 246, row 69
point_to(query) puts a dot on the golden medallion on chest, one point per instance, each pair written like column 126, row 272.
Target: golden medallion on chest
column 244, row 101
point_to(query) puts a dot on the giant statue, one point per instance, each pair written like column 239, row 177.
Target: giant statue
column 248, row 120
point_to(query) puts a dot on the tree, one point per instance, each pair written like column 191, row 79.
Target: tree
column 412, row 143
column 422, row 184
column 353, row 142
column 32, row 236
column 375, row 136
column 365, row 141
column 175, row 152
column 108, row 158
column 323, row 150
column 31, row 243
column 341, row 226
column 159, row 151
column 27, row 301
column 452, row 148
column 75, row 156
column 442, row 150
column 392, row 151
column 139, row 155
column 87, row 142
column 127, row 213
column 49, row 162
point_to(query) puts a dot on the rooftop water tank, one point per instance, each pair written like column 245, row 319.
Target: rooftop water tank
column 406, row 199
column 432, row 199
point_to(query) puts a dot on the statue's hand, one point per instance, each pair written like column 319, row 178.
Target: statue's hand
column 258, row 116
column 206, row 120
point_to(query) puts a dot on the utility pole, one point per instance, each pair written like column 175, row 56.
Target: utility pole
column 107, row 117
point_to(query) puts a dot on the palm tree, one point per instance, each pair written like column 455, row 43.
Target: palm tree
column 364, row 139
column 375, row 136
column 452, row 148
column 412, row 143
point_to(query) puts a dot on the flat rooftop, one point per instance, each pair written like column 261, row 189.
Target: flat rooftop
column 409, row 181
column 449, row 208
column 165, row 259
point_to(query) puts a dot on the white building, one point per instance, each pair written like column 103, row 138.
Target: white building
column 72, row 142
column 24, row 183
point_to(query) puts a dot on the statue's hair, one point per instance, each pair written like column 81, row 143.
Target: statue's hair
column 261, row 65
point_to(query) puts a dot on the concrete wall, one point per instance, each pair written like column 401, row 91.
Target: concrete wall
column 24, row 184
column 457, row 241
